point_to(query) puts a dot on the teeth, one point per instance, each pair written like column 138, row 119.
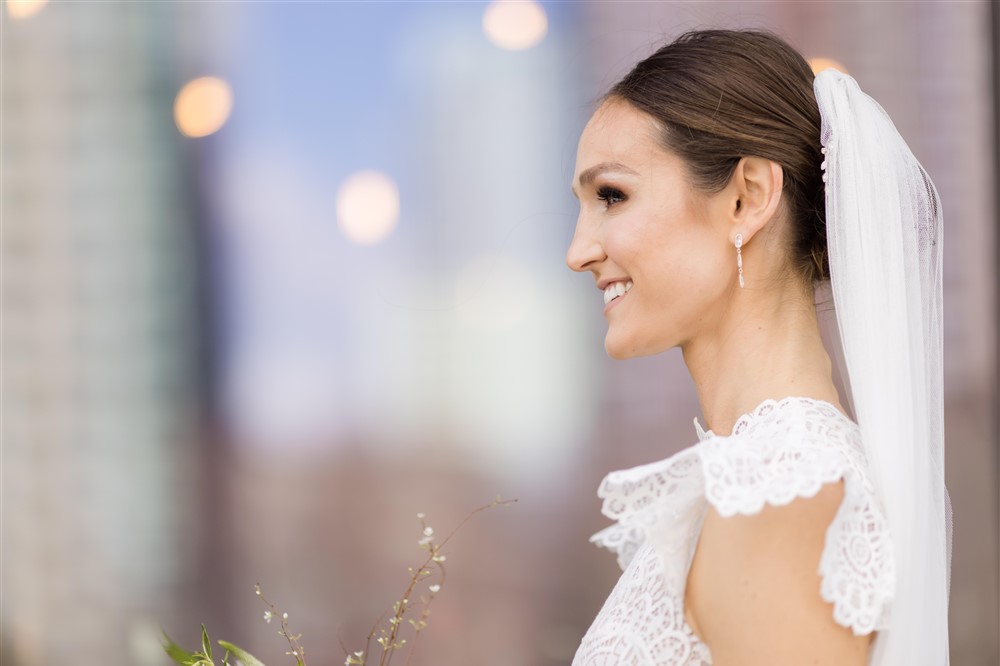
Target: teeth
column 616, row 289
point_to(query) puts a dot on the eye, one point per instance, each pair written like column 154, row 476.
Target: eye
column 610, row 195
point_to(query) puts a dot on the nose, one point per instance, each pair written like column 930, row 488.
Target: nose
column 583, row 251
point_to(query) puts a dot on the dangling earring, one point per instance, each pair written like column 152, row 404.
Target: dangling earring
column 739, row 257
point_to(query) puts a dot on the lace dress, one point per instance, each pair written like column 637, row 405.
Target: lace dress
column 780, row 451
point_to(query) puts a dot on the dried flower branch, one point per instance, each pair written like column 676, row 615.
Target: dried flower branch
column 297, row 650
column 387, row 637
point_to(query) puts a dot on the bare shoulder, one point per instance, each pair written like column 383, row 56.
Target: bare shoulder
column 753, row 591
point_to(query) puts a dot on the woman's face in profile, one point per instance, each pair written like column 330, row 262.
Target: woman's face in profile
column 640, row 221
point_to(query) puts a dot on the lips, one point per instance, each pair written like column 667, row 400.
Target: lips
column 604, row 282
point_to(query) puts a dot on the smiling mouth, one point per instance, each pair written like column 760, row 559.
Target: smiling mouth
column 616, row 290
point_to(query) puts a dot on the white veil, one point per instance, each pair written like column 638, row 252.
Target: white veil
column 884, row 234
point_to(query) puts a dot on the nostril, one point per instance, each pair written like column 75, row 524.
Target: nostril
column 577, row 264
column 583, row 252
column 571, row 263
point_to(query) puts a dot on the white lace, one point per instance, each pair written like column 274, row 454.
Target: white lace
column 780, row 451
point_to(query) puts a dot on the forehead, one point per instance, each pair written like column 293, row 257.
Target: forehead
column 619, row 132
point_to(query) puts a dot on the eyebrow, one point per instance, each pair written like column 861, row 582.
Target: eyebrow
column 588, row 175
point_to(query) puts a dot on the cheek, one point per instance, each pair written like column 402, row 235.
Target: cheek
column 672, row 253
column 629, row 237
column 695, row 254
column 683, row 271
column 622, row 247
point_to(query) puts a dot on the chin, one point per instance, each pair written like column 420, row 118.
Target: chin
column 618, row 355
column 622, row 350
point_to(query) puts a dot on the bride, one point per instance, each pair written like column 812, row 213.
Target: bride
column 804, row 527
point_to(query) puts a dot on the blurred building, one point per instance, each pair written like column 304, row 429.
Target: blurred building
column 100, row 386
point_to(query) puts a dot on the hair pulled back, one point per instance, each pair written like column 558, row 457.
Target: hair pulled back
column 720, row 95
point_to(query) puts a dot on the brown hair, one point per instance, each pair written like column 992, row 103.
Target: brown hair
column 720, row 95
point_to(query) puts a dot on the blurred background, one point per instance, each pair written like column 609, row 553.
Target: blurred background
column 277, row 276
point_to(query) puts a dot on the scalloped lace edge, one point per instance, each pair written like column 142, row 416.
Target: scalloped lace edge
column 628, row 533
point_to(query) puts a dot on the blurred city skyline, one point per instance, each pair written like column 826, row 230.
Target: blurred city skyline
column 279, row 275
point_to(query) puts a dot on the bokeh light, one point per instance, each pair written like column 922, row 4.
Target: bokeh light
column 368, row 207
column 515, row 25
column 819, row 64
column 203, row 106
column 21, row 9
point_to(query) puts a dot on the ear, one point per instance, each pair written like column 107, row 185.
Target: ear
column 757, row 183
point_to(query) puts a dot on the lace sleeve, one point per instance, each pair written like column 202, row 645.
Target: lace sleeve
column 660, row 504
column 856, row 566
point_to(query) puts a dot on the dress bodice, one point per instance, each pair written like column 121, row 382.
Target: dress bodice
column 780, row 451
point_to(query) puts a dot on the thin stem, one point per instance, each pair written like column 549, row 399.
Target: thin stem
column 401, row 606
column 293, row 641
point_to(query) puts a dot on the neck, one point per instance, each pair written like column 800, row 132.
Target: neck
column 767, row 345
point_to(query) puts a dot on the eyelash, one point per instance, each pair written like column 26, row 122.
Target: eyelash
column 605, row 193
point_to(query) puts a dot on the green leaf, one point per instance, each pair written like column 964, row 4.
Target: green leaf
column 206, row 645
column 179, row 654
column 242, row 655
